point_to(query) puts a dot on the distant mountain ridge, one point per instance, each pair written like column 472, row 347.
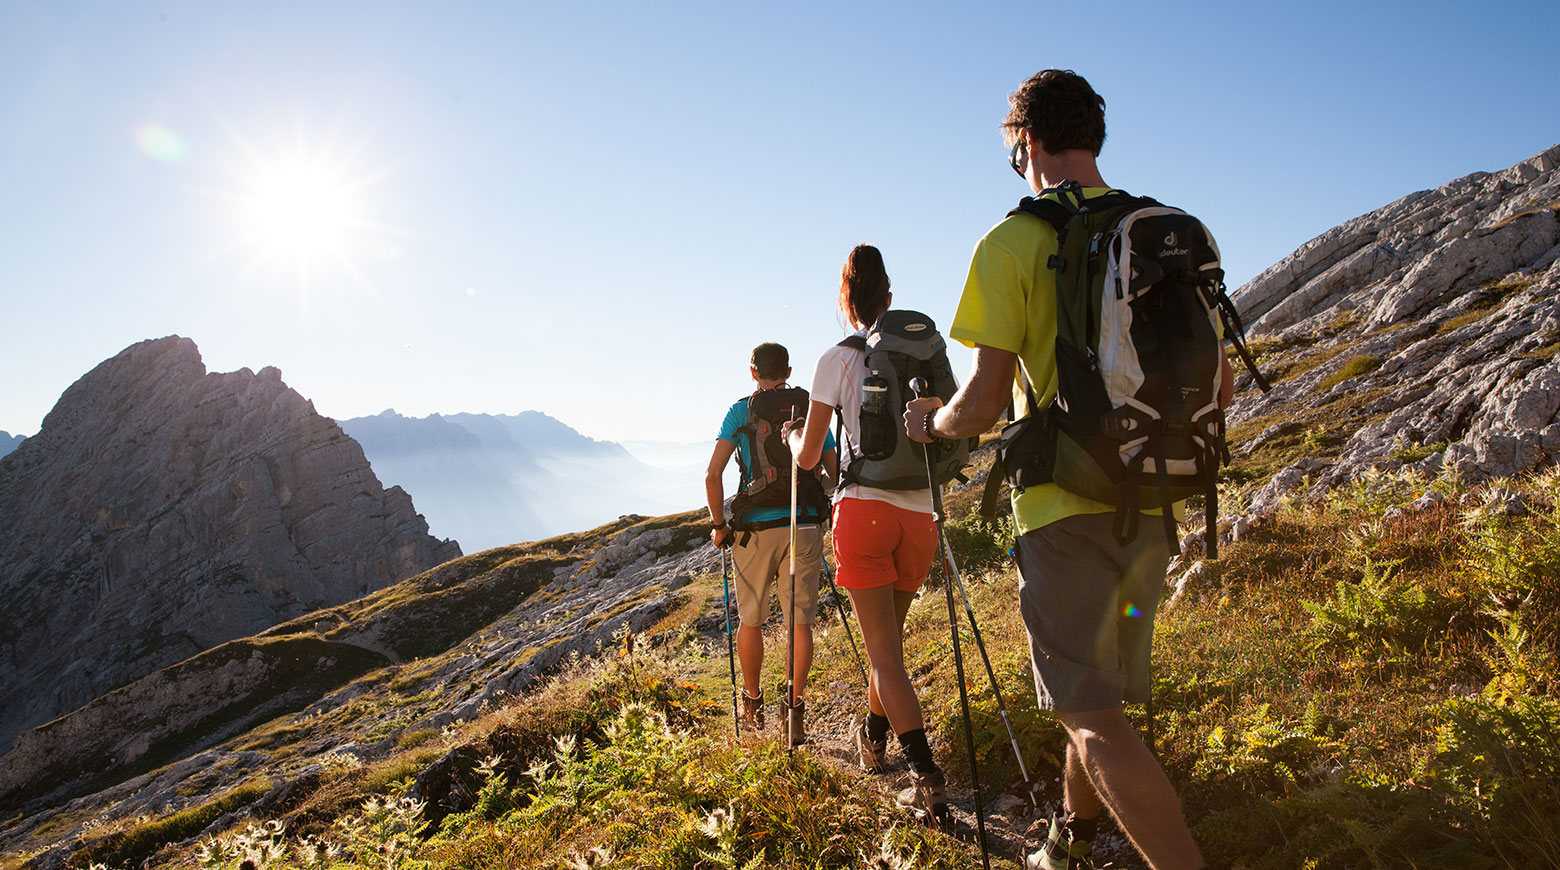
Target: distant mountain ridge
column 489, row 480
column 162, row 510
column 9, row 442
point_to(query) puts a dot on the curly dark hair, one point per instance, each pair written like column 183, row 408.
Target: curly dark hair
column 1060, row 108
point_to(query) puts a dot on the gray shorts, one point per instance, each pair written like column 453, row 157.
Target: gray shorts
column 1088, row 605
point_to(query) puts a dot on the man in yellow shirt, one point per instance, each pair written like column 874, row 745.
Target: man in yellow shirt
column 1076, row 579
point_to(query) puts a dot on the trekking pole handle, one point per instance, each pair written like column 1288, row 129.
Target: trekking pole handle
column 918, row 386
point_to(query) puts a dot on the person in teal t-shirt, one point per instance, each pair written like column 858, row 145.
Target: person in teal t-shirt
column 761, row 550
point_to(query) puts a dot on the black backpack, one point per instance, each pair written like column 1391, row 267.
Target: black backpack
column 1136, row 421
column 900, row 346
column 766, row 464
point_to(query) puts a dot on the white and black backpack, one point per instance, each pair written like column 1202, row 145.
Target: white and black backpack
column 1136, row 420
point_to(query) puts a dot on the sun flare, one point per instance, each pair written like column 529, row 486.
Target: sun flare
column 306, row 213
column 299, row 210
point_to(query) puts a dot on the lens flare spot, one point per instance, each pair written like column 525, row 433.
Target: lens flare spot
column 160, row 143
column 1131, row 610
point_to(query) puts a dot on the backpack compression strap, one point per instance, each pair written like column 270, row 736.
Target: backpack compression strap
column 1235, row 331
column 995, row 475
column 847, row 475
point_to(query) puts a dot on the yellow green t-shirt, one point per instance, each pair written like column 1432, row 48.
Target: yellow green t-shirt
column 1009, row 303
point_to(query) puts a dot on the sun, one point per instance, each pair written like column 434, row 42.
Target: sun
column 305, row 213
column 300, row 210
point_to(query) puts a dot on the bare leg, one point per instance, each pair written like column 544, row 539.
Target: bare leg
column 881, row 614
column 1079, row 793
column 803, row 638
column 1127, row 779
column 750, row 650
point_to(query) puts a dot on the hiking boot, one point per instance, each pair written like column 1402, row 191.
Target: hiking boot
column 927, row 798
column 795, row 731
column 873, row 756
column 752, row 717
column 1061, row 850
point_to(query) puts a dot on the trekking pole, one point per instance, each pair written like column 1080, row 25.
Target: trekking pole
column 845, row 620
column 951, row 571
column 790, row 629
column 918, row 385
column 731, row 656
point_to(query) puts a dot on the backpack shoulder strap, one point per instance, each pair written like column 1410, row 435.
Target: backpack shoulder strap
column 1048, row 210
column 857, row 342
column 748, row 426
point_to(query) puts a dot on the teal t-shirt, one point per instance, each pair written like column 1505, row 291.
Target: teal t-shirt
column 730, row 430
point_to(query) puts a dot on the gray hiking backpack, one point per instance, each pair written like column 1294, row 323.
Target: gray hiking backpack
column 900, row 347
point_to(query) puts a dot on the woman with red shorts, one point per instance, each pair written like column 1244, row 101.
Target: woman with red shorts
column 884, row 541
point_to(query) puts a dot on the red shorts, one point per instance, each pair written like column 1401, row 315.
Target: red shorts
column 879, row 544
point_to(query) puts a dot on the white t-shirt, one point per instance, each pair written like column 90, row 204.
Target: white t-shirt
column 837, row 383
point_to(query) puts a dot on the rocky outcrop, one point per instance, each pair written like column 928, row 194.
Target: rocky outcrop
column 162, row 510
column 412, row 658
column 1426, row 332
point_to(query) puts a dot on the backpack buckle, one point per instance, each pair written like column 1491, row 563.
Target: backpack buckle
column 1126, row 423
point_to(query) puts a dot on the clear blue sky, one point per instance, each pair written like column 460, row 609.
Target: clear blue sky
column 596, row 209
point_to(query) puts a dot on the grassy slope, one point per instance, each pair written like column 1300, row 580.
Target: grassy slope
column 1348, row 691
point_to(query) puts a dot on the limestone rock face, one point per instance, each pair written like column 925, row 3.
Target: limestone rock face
column 1424, row 332
column 162, row 510
column 457, row 638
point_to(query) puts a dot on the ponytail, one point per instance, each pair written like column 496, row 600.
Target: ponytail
column 863, row 286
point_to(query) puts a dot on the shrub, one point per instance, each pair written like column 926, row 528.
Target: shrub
column 1499, row 767
column 979, row 545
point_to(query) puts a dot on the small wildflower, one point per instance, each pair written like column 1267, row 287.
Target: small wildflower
column 565, row 745
column 488, row 766
column 715, row 823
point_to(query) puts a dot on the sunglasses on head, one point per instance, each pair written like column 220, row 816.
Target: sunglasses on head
column 1019, row 156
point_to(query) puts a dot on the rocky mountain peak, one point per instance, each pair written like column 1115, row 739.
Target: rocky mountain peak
column 162, row 510
column 1424, row 333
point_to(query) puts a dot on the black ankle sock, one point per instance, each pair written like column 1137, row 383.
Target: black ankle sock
column 877, row 727
column 918, row 751
column 1082, row 830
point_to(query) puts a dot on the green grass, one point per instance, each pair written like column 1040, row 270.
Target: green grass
column 130, row 847
column 1355, row 367
column 1465, row 319
column 1547, row 352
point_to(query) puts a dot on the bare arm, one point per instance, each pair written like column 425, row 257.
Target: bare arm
column 715, row 488
column 831, row 466
column 806, row 442
column 977, row 405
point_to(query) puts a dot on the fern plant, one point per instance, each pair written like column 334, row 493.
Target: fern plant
column 1379, row 613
